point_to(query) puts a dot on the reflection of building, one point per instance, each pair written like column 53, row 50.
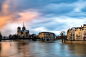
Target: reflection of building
column 77, row 33
column 47, row 35
column 23, row 32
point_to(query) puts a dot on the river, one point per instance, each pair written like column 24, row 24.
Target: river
column 41, row 49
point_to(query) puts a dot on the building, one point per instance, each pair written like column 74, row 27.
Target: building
column 71, row 33
column 47, row 35
column 77, row 33
column 33, row 36
column 22, row 32
column 60, row 37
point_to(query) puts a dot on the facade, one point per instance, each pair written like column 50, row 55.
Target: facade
column 71, row 33
column 22, row 32
column 77, row 33
column 60, row 37
column 47, row 35
column 84, row 32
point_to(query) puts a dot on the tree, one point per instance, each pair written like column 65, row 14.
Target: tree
column 10, row 36
column 62, row 33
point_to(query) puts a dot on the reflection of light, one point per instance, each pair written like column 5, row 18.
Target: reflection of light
column 5, row 48
column 8, row 48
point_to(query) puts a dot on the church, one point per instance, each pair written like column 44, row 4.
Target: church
column 22, row 32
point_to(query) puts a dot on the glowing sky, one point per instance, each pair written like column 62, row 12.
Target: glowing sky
column 41, row 15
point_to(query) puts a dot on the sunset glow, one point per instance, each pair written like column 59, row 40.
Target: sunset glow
column 52, row 15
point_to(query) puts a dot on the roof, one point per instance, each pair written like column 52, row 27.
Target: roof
column 84, row 24
column 24, row 31
column 46, row 32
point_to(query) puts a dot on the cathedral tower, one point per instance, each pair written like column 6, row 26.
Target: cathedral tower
column 18, row 29
column 23, row 28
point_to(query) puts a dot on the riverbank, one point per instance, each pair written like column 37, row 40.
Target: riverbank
column 74, row 42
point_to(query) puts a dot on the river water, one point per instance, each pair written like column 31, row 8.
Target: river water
column 41, row 49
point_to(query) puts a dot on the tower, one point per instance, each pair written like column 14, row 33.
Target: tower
column 18, row 29
column 23, row 28
column 81, row 26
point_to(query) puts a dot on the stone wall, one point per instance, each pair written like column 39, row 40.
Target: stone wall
column 75, row 42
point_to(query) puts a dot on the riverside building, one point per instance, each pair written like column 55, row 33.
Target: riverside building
column 47, row 35
column 77, row 33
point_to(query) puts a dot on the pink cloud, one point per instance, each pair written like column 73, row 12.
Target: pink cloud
column 11, row 18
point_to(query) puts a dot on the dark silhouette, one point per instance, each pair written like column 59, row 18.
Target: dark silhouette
column 62, row 35
column 0, row 36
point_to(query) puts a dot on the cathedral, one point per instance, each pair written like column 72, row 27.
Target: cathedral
column 22, row 32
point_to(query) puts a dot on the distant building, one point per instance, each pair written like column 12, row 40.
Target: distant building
column 33, row 36
column 60, row 37
column 77, row 33
column 10, row 36
column 47, row 35
column 22, row 32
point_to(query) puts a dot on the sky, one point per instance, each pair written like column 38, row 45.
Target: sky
column 41, row 15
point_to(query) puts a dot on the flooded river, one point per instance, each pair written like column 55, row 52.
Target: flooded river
column 41, row 49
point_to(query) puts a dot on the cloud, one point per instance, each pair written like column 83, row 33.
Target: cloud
column 38, row 4
column 28, row 15
column 2, row 0
column 58, row 9
column 41, row 15
column 9, row 15
column 84, row 9
column 10, row 29
column 58, row 24
column 41, row 5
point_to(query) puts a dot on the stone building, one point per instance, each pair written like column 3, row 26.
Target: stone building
column 77, row 33
column 71, row 33
column 22, row 32
column 47, row 35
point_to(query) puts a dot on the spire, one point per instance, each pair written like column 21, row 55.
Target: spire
column 0, row 32
column 23, row 24
column 23, row 28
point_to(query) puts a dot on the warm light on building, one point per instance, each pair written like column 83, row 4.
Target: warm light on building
column 47, row 35
column 77, row 33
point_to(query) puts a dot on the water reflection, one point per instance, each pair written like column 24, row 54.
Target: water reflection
column 77, row 49
column 41, row 49
column 0, row 48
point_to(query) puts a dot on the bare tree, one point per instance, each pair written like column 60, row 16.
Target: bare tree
column 62, row 33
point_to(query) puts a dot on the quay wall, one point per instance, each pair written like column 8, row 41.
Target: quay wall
column 74, row 42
